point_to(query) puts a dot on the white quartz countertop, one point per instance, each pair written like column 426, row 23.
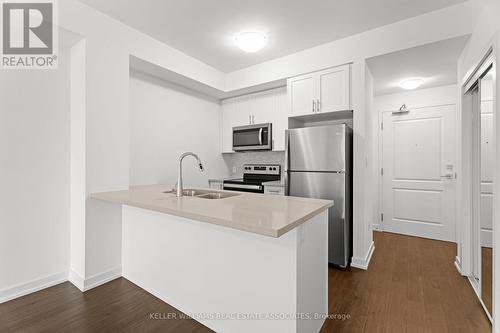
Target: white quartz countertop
column 269, row 215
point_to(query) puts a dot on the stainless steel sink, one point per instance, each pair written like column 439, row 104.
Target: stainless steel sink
column 205, row 194
column 216, row 195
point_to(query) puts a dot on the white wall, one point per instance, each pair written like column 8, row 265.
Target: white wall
column 108, row 45
column 165, row 121
column 372, row 176
column 34, row 177
column 419, row 98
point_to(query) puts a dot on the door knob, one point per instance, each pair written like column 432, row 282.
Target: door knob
column 448, row 176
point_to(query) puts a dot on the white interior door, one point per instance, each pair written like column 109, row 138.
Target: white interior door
column 418, row 172
column 487, row 156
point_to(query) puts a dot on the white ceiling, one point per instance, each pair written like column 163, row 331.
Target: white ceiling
column 204, row 28
column 436, row 63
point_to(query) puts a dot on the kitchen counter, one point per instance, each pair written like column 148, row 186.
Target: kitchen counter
column 257, row 213
column 251, row 253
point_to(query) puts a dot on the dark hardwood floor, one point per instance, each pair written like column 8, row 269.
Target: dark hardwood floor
column 411, row 286
column 487, row 277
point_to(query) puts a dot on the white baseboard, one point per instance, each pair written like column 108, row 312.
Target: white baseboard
column 51, row 280
column 458, row 265
column 487, row 238
column 77, row 280
column 475, row 286
column 22, row 289
column 101, row 278
column 363, row 263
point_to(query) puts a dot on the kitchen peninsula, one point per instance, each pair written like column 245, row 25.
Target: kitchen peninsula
column 234, row 261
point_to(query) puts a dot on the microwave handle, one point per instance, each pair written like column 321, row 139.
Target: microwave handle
column 260, row 136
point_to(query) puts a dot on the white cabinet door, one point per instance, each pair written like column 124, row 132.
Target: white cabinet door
column 334, row 89
column 227, row 126
column 280, row 119
column 328, row 90
column 274, row 190
column 216, row 184
column 302, row 94
column 233, row 114
column 262, row 108
column 246, row 106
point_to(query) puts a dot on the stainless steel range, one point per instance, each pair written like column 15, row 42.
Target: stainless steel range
column 254, row 175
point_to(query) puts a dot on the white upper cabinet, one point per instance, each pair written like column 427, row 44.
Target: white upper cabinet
column 302, row 92
column 263, row 107
column 334, row 89
column 280, row 122
column 323, row 91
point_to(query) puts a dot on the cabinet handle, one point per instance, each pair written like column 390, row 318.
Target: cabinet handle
column 250, row 119
column 253, row 119
column 314, row 105
column 317, row 106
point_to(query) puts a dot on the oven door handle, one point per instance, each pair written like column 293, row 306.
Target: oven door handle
column 260, row 136
column 242, row 186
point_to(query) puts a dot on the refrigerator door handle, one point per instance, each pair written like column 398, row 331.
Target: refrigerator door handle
column 285, row 173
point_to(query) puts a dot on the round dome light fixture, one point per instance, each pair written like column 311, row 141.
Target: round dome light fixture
column 412, row 83
column 250, row 41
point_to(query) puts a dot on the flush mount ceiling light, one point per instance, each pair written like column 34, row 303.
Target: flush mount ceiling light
column 250, row 41
column 412, row 83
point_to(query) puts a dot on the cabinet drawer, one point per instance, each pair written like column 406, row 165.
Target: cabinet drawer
column 215, row 184
column 274, row 190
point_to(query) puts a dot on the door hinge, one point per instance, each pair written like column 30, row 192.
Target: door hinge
column 381, row 171
column 381, row 216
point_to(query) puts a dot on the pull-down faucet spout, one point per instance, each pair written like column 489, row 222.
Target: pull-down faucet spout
column 179, row 188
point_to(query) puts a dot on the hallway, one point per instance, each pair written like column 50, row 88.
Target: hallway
column 411, row 285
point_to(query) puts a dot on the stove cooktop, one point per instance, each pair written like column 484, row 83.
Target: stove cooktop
column 253, row 177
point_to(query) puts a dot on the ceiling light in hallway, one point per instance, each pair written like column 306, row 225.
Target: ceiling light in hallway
column 412, row 83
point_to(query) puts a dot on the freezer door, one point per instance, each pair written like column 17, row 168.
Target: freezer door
column 319, row 148
column 321, row 185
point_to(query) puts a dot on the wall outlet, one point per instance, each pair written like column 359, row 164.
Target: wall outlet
column 234, row 169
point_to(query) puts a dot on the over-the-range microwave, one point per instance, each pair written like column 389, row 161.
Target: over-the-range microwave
column 253, row 137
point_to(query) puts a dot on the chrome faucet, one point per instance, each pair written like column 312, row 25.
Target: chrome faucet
column 179, row 188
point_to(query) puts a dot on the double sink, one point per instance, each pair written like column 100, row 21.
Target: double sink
column 205, row 194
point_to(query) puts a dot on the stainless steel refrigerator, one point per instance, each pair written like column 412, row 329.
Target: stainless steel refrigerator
column 319, row 165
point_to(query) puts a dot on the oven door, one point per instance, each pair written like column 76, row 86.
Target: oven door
column 244, row 187
column 252, row 137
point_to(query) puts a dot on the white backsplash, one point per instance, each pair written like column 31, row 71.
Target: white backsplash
column 235, row 161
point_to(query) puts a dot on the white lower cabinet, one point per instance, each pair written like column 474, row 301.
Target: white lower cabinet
column 274, row 190
column 264, row 107
column 216, row 184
